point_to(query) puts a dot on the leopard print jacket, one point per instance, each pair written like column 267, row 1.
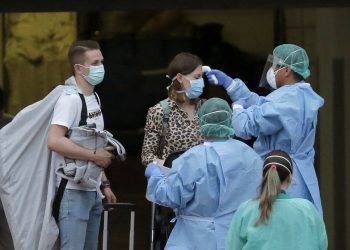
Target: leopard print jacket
column 182, row 133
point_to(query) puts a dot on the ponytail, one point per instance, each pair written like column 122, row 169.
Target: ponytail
column 270, row 188
column 277, row 169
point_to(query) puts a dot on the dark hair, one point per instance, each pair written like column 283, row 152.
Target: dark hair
column 297, row 76
column 76, row 53
column 183, row 63
column 277, row 168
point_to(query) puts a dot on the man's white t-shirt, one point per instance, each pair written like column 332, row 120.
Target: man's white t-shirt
column 67, row 113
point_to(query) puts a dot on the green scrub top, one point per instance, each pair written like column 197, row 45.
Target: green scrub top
column 293, row 224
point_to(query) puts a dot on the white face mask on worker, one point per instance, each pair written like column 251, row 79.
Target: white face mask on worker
column 271, row 77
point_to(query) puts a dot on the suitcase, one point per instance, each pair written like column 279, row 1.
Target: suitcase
column 116, row 206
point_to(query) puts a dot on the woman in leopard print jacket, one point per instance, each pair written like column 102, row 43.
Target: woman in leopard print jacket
column 185, row 72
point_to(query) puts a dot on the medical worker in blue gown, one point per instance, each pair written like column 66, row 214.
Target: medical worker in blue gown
column 285, row 119
column 276, row 221
column 207, row 183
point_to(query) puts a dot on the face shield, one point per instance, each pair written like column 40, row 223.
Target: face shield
column 272, row 62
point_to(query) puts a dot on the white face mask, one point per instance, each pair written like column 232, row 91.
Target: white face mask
column 271, row 77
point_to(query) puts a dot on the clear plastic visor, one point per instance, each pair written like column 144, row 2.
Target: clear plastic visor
column 271, row 62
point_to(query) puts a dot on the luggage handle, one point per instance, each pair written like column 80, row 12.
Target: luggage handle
column 129, row 205
column 107, row 206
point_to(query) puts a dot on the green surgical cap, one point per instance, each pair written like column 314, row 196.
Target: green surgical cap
column 215, row 117
column 295, row 57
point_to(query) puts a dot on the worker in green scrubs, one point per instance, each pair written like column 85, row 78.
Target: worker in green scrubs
column 274, row 220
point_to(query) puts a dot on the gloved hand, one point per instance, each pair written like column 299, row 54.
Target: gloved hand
column 153, row 169
column 240, row 102
column 218, row 77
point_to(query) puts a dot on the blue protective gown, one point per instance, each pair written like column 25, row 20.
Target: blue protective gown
column 293, row 224
column 286, row 119
column 205, row 186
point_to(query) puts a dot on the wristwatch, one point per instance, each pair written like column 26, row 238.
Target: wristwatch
column 105, row 184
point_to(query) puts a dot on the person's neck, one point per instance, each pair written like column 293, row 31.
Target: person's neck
column 284, row 186
column 84, row 86
column 289, row 81
column 187, row 103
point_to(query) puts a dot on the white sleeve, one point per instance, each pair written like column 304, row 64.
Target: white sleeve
column 67, row 111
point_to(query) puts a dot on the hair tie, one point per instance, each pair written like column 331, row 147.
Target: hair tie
column 273, row 166
column 278, row 156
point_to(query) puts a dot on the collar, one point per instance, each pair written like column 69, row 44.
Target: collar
column 302, row 82
column 70, row 81
column 217, row 140
column 282, row 195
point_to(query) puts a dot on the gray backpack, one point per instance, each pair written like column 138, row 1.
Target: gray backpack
column 88, row 173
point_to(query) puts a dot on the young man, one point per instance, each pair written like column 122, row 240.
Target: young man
column 81, row 207
column 285, row 119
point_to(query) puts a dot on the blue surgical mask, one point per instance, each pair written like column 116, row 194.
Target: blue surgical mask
column 96, row 74
column 196, row 89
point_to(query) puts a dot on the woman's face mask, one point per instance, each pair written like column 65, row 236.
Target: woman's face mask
column 96, row 74
column 196, row 88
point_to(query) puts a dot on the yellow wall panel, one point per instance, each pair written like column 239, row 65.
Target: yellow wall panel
column 36, row 51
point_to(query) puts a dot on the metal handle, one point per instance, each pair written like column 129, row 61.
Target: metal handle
column 153, row 211
column 105, row 231
column 130, row 206
column 131, row 234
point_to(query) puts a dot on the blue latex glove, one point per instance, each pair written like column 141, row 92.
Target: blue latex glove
column 153, row 169
column 218, row 77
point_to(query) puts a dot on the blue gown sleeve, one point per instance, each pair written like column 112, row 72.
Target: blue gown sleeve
column 177, row 188
column 238, row 90
column 263, row 119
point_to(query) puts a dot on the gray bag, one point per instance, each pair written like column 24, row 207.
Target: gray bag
column 87, row 173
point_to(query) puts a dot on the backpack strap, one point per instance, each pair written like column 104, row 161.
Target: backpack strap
column 58, row 198
column 83, row 114
column 165, row 125
column 97, row 98
column 63, row 183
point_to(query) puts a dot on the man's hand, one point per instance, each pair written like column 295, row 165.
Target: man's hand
column 109, row 197
column 103, row 157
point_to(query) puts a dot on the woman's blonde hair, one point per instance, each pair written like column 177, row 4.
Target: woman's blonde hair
column 183, row 63
column 277, row 168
